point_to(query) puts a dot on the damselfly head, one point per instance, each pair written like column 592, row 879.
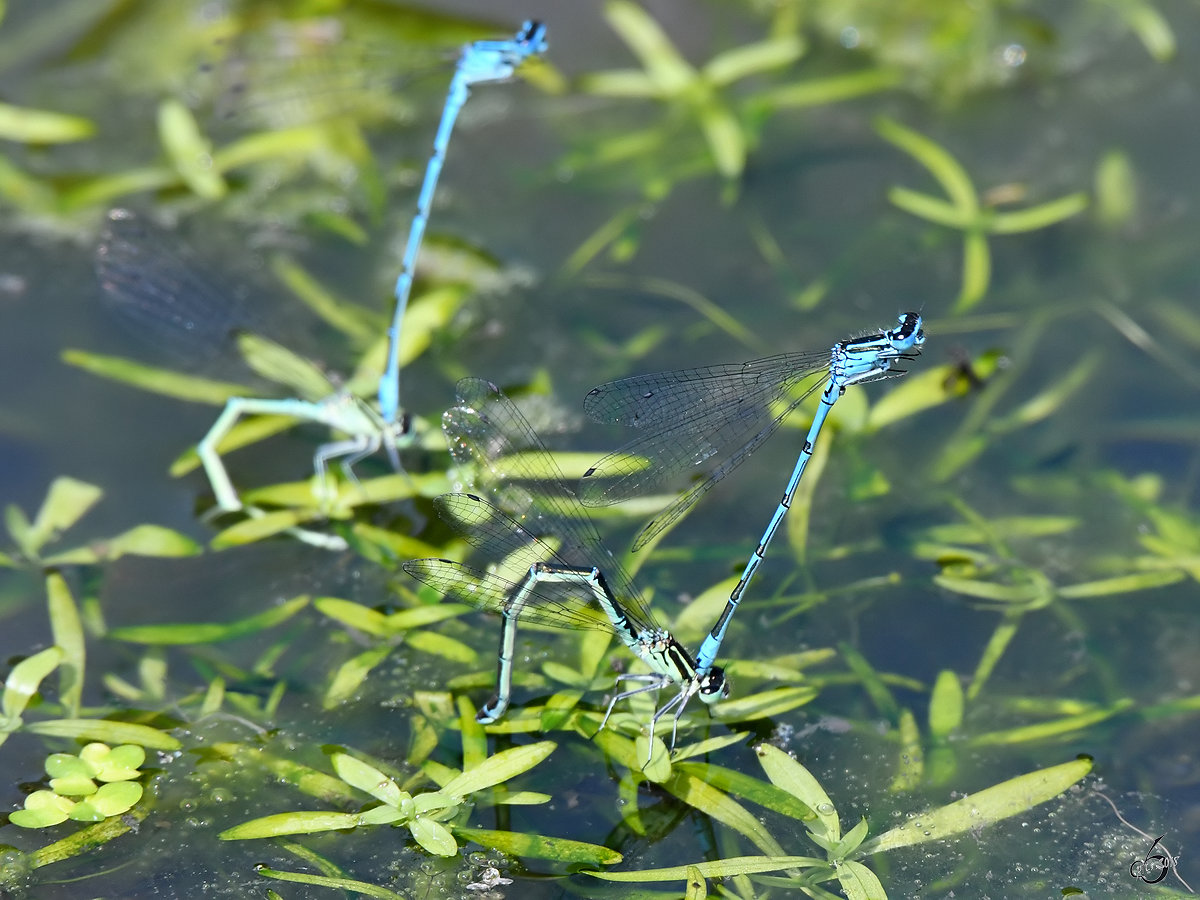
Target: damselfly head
column 909, row 333
column 713, row 686
column 532, row 37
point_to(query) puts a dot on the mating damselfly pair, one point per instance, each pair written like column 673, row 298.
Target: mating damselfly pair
column 699, row 422
column 580, row 584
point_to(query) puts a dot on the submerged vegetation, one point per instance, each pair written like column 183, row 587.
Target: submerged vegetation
column 967, row 650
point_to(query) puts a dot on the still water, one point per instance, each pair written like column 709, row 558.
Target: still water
column 1019, row 528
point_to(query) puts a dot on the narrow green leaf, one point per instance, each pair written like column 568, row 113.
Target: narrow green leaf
column 536, row 846
column 106, row 731
column 305, row 779
column 141, row 540
column 833, row 89
column 206, row 633
column 36, row 126
column 910, row 765
column 945, row 705
column 709, row 745
column 1122, row 584
column 1009, row 798
column 157, row 381
column 851, row 840
column 353, row 321
column 246, row 432
column 189, row 151
column 67, row 501
column 1116, row 189
column 289, row 823
column 270, row 145
column 1046, row 403
column 765, row 704
column 977, row 271
column 746, row 60
column 697, row 886
column 498, row 768
column 643, row 35
column 1003, row 528
column 788, row 774
column 1041, row 216
column 931, row 209
column 768, row 796
column 723, row 808
column 859, row 882
column 726, row 140
column 941, row 165
column 914, row 393
column 443, row 646
column 521, row 798
column 351, row 674
column 359, row 774
column 724, row 868
column 433, row 836
column 384, row 815
column 989, row 590
column 1042, row 731
column 1150, row 26
column 25, row 678
column 67, row 629
column 874, row 685
column 326, row 881
column 279, row 364
column 1001, row 637
column 353, row 615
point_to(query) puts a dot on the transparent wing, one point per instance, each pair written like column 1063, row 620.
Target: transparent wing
column 695, row 424
column 557, row 605
column 153, row 286
column 486, row 428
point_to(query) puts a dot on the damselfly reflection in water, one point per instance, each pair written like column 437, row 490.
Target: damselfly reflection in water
column 563, row 575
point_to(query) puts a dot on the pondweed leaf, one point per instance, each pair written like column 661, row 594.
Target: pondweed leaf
column 788, row 774
column 348, row 885
column 39, row 126
column 981, row 808
column 23, row 682
column 498, row 768
column 210, row 632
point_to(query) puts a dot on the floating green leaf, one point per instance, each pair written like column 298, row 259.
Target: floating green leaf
column 210, row 632
column 499, row 768
column 188, row 150
column 36, row 126
column 1009, row 798
column 337, row 884
column 106, row 731
column 282, row 824
column 792, row 777
column 433, row 836
column 23, row 682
